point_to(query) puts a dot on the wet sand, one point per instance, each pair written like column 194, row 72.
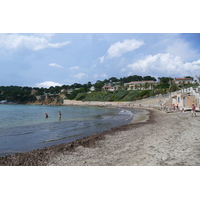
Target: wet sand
column 160, row 139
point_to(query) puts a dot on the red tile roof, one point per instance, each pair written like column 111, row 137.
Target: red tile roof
column 183, row 78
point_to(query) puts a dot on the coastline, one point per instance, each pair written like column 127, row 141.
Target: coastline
column 155, row 138
column 140, row 117
column 40, row 157
column 166, row 139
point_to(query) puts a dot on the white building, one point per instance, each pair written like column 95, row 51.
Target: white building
column 181, row 81
column 139, row 85
column 92, row 89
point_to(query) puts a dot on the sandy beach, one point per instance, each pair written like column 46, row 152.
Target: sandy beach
column 155, row 138
column 166, row 139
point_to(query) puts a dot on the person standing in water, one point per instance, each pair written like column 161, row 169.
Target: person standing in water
column 59, row 114
column 46, row 115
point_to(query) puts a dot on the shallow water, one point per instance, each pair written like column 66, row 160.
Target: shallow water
column 24, row 127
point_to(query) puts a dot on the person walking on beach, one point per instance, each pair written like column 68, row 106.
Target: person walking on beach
column 193, row 110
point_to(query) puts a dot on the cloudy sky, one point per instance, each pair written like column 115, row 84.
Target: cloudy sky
column 65, row 58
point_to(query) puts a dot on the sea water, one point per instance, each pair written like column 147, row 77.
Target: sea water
column 25, row 127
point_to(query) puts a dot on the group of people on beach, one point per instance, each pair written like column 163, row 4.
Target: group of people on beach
column 193, row 109
column 59, row 115
column 175, row 107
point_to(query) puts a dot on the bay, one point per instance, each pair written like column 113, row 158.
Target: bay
column 25, row 127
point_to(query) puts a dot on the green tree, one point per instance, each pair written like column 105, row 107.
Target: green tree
column 149, row 78
column 113, row 79
column 189, row 77
column 146, row 85
column 98, row 85
column 198, row 77
column 164, row 82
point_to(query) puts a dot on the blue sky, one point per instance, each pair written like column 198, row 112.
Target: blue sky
column 54, row 43
column 65, row 58
column 51, row 59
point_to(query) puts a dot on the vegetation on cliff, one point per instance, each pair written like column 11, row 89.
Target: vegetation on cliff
column 76, row 91
column 120, row 95
column 16, row 94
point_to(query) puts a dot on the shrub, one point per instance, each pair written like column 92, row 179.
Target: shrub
column 80, row 96
column 121, row 94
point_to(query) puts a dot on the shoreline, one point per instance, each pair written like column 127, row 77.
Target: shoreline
column 40, row 157
column 166, row 139
column 156, row 139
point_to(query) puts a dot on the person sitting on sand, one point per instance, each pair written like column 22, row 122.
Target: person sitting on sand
column 193, row 110
column 182, row 110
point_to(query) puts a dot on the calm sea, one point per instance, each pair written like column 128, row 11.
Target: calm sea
column 25, row 127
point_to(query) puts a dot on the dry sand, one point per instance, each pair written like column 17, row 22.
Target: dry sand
column 167, row 139
column 164, row 139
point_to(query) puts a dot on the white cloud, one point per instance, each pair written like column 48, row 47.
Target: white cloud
column 120, row 48
column 93, row 66
column 182, row 48
column 101, row 59
column 163, row 64
column 74, row 68
column 104, row 75
column 32, row 42
column 192, row 66
column 123, row 69
column 100, row 75
column 55, row 65
column 80, row 75
column 47, row 35
column 47, row 84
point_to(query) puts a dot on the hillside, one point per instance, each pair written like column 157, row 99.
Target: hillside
column 118, row 95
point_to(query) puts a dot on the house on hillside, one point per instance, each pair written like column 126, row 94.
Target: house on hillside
column 69, row 91
column 3, row 101
column 33, row 92
column 181, row 81
column 63, row 91
column 118, row 87
column 92, row 89
column 108, row 88
column 139, row 85
column 112, row 87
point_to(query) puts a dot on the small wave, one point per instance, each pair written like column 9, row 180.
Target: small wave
column 61, row 138
column 25, row 133
column 125, row 112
